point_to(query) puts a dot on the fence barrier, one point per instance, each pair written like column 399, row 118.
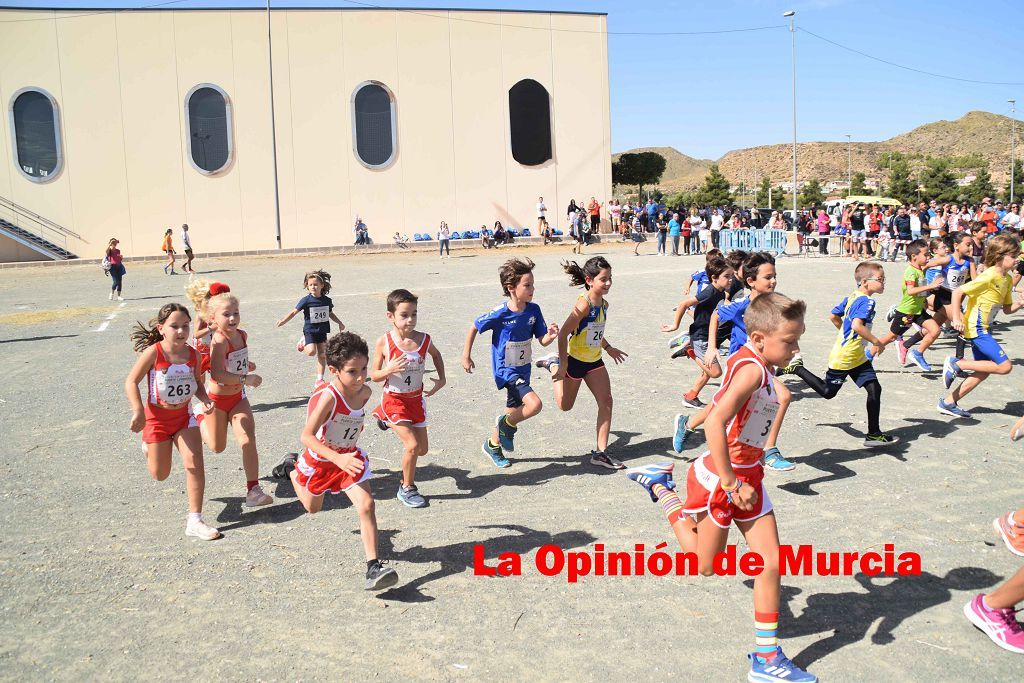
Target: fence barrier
column 773, row 241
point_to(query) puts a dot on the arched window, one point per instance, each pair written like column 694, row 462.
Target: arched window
column 529, row 122
column 374, row 129
column 208, row 116
column 35, row 128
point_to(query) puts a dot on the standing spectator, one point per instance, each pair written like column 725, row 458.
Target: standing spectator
column 615, row 214
column 901, row 224
column 659, row 222
column 937, row 224
column 987, row 216
column 1012, row 218
column 673, row 232
column 115, row 268
column 187, row 243
column 444, row 237
column 717, row 222
column 1000, row 213
column 168, row 248
column 915, row 225
column 594, row 210
column 652, row 215
column 953, row 218
column 570, row 214
column 362, row 234
column 823, row 230
column 704, row 234
column 541, row 214
column 694, row 224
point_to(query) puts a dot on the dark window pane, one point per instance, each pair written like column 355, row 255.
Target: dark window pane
column 529, row 117
column 374, row 141
column 208, row 129
column 35, row 133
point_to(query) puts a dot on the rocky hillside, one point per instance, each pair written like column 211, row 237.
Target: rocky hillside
column 976, row 132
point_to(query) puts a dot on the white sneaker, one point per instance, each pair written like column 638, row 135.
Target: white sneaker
column 256, row 497
column 201, row 530
column 111, row 297
column 120, row 298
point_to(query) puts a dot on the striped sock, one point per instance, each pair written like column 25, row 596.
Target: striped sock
column 670, row 503
column 766, row 630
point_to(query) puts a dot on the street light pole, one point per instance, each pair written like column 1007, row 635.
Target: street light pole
column 1013, row 140
column 849, row 167
column 273, row 129
column 792, row 33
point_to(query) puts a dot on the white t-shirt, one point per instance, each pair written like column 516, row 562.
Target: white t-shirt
column 915, row 223
column 716, row 222
column 934, row 225
column 1010, row 220
column 185, row 240
column 541, row 209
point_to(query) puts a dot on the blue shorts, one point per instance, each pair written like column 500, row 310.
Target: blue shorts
column 314, row 336
column 515, row 390
column 984, row 347
column 861, row 375
column 858, row 234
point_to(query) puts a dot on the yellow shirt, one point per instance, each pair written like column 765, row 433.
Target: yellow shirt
column 985, row 297
column 585, row 342
column 848, row 350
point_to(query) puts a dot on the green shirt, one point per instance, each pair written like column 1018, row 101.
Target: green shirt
column 911, row 304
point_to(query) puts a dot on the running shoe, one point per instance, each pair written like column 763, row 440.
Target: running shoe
column 382, row 425
column 684, row 351
column 773, row 460
column 1011, row 532
column 950, row 371
column 201, row 530
column 681, row 340
column 506, row 435
column 693, row 402
column 410, row 496
column 682, row 431
column 257, row 498
column 797, row 362
column 880, row 440
column 547, row 361
column 780, row 668
column 282, row 469
column 919, row 360
column 949, row 332
column 951, row 409
column 901, row 350
column 379, row 576
column 649, row 475
column 1000, row 625
column 495, row 454
column 602, row 459
column 891, row 313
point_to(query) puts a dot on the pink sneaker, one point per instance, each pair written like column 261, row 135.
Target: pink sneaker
column 1011, row 532
column 901, row 350
column 998, row 624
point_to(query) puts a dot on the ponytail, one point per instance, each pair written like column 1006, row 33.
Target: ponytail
column 591, row 269
column 144, row 336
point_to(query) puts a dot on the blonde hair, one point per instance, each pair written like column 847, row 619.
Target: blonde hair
column 199, row 292
column 218, row 300
column 999, row 246
column 862, row 270
column 769, row 312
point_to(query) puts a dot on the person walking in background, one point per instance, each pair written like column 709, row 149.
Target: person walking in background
column 114, row 265
column 168, row 248
column 541, row 213
column 444, row 237
column 187, row 243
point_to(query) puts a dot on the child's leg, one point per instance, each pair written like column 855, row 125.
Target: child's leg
column 531, row 405
column 966, row 387
column 697, row 419
column 244, row 426
column 600, row 386
column 1009, row 594
column 699, row 383
column 190, row 445
column 762, row 535
column 566, row 392
column 158, row 458
column 362, row 501
column 874, row 406
column 321, row 359
column 214, row 430
column 785, row 398
column 309, row 501
column 826, row 390
column 711, row 540
column 928, row 334
column 414, row 444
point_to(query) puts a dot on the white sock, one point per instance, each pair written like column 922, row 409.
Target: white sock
column 194, row 517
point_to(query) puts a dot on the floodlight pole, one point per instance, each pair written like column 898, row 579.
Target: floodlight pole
column 273, row 129
column 792, row 33
column 1013, row 140
column 849, row 167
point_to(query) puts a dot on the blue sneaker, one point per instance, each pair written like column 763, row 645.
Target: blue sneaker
column 506, row 435
column 495, row 454
column 950, row 371
column 918, row 358
column 779, row 669
column 649, row 475
column 411, row 497
column 773, row 460
column 952, row 409
column 679, row 440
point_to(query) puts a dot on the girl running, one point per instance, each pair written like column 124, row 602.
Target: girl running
column 166, row 418
column 199, row 293
column 580, row 343
column 992, row 290
column 230, row 374
column 317, row 314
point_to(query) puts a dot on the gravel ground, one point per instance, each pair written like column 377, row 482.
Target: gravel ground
column 99, row 581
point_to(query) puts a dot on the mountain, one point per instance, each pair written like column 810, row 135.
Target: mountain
column 976, row 133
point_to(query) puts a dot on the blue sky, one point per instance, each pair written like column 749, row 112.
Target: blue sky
column 707, row 94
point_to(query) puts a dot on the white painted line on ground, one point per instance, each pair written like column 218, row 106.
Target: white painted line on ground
column 102, row 326
column 111, row 316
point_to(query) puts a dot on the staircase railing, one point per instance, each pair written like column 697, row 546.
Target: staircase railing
column 30, row 221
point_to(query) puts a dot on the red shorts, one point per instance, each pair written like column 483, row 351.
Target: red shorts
column 163, row 423
column 401, row 409
column 228, row 402
column 704, row 492
column 320, row 476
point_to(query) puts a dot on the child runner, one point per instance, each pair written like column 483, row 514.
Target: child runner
column 704, row 305
column 399, row 360
column 849, row 357
column 230, row 373
column 580, row 343
column 331, row 460
column 957, row 269
column 725, row 484
column 317, row 314
column 172, row 368
column 759, row 274
column 910, row 310
column 199, row 293
column 992, row 290
column 682, row 340
column 513, row 325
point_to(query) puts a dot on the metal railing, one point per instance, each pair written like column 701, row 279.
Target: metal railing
column 774, row 241
column 38, row 225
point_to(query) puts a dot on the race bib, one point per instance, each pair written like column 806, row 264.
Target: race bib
column 319, row 314
column 175, row 385
column 411, row 379
column 759, row 421
column 342, row 431
column 595, row 334
column 237, row 362
column 518, row 354
column 955, row 278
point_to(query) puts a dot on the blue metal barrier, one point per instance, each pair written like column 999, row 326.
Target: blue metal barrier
column 773, row 241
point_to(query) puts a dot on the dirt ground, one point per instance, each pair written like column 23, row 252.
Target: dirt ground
column 99, row 581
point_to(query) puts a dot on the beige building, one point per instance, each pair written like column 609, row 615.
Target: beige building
column 127, row 123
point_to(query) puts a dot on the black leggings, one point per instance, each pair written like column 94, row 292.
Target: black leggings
column 829, row 391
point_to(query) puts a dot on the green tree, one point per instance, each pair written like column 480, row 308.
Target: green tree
column 900, row 185
column 938, row 181
column 640, row 168
column 811, row 194
column 780, row 198
column 761, row 196
column 715, row 190
column 980, row 187
column 1018, row 182
column 857, row 184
